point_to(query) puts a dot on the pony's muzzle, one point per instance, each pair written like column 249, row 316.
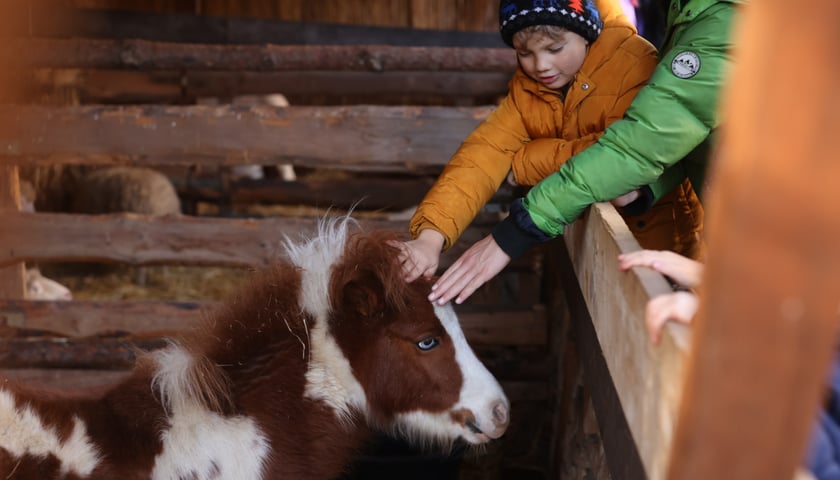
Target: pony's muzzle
column 501, row 419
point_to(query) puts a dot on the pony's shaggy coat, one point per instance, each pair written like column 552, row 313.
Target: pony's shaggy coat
column 285, row 380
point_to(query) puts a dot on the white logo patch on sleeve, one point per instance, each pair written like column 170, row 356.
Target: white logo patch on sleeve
column 686, row 64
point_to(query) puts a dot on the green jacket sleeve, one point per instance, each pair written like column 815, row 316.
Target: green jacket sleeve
column 669, row 118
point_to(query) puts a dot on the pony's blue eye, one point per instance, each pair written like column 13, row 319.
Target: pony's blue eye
column 428, row 343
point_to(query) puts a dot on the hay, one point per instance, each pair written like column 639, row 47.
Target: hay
column 169, row 282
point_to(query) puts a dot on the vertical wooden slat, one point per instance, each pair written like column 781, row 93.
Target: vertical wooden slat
column 478, row 15
column 765, row 335
column 437, row 14
column 11, row 277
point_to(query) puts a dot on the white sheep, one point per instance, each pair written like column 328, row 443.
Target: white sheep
column 39, row 287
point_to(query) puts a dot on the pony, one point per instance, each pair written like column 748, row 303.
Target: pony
column 289, row 378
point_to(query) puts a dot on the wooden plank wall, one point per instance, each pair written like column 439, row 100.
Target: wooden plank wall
column 461, row 15
column 412, row 141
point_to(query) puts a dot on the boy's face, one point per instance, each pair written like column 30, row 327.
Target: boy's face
column 552, row 60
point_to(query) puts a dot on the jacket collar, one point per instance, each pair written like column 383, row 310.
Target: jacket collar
column 581, row 87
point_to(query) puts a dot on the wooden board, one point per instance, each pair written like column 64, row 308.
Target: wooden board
column 434, row 24
column 149, row 55
column 500, row 326
column 647, row 379
column 363, row 138
column 766, row 333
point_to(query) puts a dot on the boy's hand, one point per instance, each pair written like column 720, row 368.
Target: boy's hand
column 420, row 257
column 626, row 199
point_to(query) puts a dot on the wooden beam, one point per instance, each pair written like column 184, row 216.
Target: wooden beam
column 766, row 333
column 59, row 21
column 127, row 86
column 183, row 239
column 138, row 239
column 148, row 55
column 362, row 138
column 647, row 378
column 499, row 326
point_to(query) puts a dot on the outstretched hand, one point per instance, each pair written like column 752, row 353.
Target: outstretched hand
column 420, row 257
column 480, row 263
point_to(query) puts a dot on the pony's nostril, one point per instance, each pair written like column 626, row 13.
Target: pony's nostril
column 500, row 414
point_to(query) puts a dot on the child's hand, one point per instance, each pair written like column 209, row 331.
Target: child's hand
column 625, row 199
column 678, row 306
column 682, row 270
column 420, row 257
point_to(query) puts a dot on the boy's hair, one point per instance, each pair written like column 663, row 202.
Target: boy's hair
column 526, row 33
column 578, row 16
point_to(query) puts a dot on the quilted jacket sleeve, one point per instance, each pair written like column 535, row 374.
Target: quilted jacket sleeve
column 473, row 174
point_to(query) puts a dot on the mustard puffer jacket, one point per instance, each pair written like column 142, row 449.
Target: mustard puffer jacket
column 616, row 66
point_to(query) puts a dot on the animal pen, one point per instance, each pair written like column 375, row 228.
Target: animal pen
column 381, row 101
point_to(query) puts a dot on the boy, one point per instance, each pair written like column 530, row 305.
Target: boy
column 576, row 75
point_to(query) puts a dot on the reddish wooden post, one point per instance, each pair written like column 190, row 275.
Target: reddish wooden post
column 765, row 335
column 11, row 276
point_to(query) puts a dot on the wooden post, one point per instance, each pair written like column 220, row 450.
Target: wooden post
column 765, row 335
column 12, row 285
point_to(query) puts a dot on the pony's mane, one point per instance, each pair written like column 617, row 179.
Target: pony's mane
column 280, row 303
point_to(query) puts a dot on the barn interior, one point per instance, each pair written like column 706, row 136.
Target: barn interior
column 265, row 115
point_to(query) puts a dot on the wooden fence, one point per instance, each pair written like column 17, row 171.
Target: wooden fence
column 654, row 404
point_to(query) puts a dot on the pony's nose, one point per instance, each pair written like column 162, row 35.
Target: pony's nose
column 500, row 418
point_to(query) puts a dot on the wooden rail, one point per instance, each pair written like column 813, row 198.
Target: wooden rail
column 363, row 138
column 636, row 385
column 149, row 55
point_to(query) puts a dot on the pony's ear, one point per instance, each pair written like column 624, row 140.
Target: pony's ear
column 362, row 293
column 368, row 280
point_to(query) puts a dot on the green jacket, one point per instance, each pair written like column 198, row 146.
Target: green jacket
column 664, row 137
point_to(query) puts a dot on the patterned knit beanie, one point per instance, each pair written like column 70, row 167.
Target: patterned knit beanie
column 578, row 16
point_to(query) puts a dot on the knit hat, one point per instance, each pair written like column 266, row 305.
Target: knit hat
column 578, row 16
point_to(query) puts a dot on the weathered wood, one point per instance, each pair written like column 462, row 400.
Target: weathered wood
column 364, row 138
column 102, row 353
column 149, row 55
column 138, row 239
column 524, row 327
column 766, row 333
column 56, row 21
column 12, row 283
column 126, row 86
column 646, row 378
column 64, row 379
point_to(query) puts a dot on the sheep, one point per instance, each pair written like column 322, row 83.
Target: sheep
column 39, row 287
column 102, row 190
column 91, row 190
column 126, row 189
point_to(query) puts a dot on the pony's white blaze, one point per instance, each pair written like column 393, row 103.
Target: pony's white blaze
column 201, row 444
column 22, row 433
column 480, row 394
column 329, row 377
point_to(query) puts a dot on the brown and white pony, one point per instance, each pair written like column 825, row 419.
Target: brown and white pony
column 286, row 380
